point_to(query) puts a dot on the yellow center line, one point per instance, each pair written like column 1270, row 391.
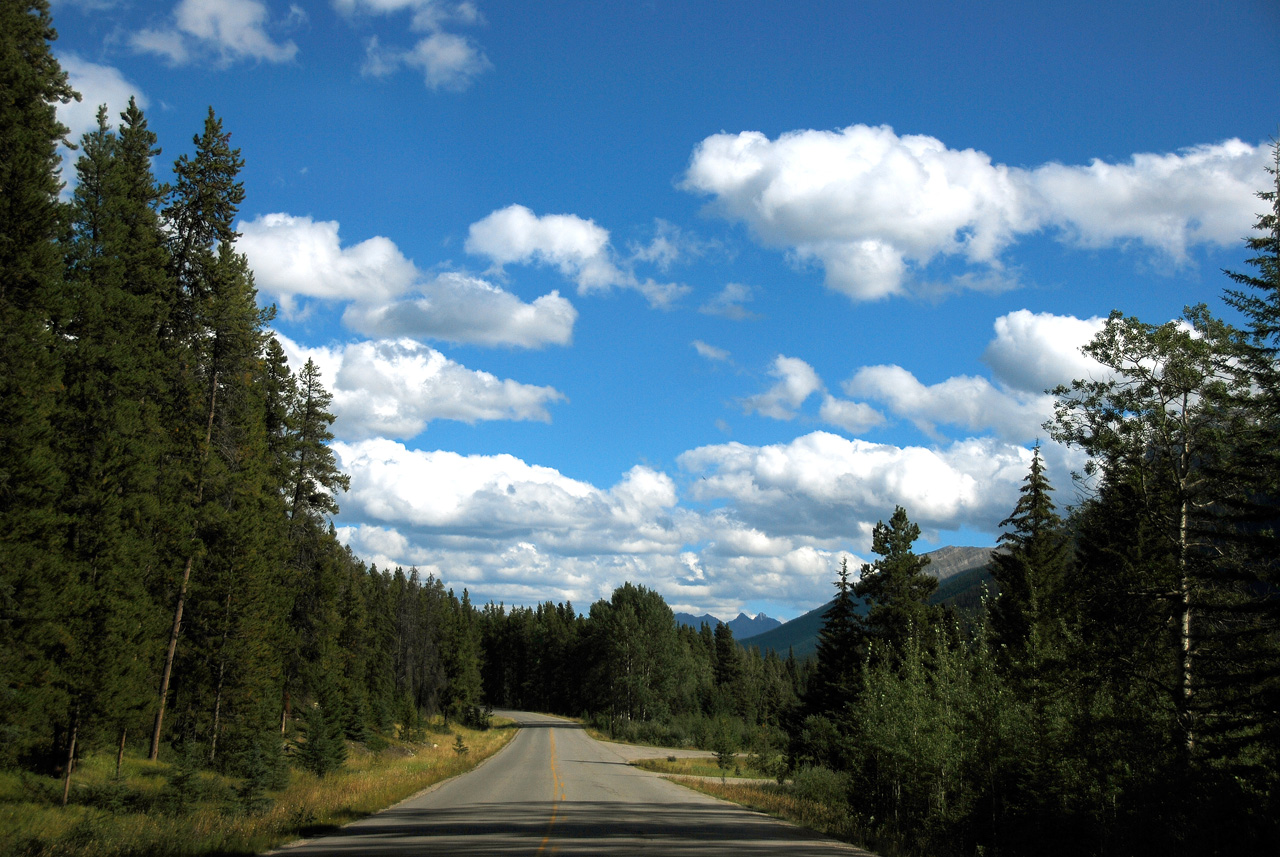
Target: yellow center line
column 557, row 795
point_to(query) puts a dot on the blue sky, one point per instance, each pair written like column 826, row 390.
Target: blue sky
column 694, row 294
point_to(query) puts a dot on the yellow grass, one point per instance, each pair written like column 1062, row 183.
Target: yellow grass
column 698, row 766
column 309, row 805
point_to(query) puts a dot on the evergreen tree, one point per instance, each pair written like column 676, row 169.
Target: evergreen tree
column 834, row 679
column 1029, row 570
column 32, row 223
column 895, row 587
column 111, row 434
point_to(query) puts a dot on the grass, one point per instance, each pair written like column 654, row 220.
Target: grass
column 136, row 815
column 781, row 801
column 697, row 766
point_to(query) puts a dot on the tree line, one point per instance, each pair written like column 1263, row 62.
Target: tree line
column 169, row 576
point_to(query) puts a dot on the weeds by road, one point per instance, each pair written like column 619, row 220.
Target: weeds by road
column 154, row 808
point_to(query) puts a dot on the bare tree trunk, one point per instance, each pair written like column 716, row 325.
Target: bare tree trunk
column 168, row 662
column 222, row 672
column 71, row 759
column 1188, row 726
column 120, row 752
column 186, row 578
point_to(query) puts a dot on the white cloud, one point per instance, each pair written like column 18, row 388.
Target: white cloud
column 1200, row 195
column 825, row 486
column 872, row 207
column 522, row 533
column 853, row 417
column 232, row 29
column 1035, row 352
column 728, row 302
column 457, row 308
column 294, row 258
column 446, row 60
column 578, row 248
column 973, row 403
column 796, row 382
column 395, row 388
column 710, row 351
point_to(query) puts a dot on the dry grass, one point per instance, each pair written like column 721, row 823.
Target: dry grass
column 697, row 766
column 213, row 824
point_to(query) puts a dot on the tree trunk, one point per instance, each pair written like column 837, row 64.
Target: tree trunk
column 71, row 759
column 1188, row 726
column 222, row 672
column 120, row 752
column 186, row 578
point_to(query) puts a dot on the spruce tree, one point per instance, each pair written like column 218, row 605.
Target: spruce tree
column 1029, row 571
column 833, row 682
column 32, row 223
column 895, row 587
column 111, row 436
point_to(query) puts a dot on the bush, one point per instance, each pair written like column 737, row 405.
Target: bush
column 822, row 785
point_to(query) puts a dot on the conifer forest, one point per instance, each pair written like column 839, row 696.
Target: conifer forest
column 172, row 587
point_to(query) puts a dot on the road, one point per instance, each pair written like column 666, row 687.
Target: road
column 554, row 790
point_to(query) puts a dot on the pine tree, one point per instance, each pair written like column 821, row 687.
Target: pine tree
column 1029, row 571
column 834, row 679
column 32, row 223
column 111, row 436
column 895, row 587
column 218, row 322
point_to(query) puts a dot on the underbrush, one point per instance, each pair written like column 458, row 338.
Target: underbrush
column 155, row 808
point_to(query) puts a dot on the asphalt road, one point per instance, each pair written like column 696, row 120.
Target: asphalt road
column 556, row 790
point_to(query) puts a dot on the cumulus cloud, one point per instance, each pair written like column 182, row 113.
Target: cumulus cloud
column 823, row 485
column 500, row 497
column 296, row 258
column 395, row 388
column 872, row 207
column 578, row 248
column 796, row 382
column 520, row 532
column 1035, row 352
column 853, row 417
column 457, row 308
column 728, row 303
column 970, row 402
column 231, row 30
column 445, row 59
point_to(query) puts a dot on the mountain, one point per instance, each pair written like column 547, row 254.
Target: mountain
column 961, row 573
column 743, row 627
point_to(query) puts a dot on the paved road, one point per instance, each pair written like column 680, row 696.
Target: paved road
column 555, row 790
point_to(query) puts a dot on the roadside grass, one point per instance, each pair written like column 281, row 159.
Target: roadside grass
column 143, row 814
column 699, row 766
column 781, row 801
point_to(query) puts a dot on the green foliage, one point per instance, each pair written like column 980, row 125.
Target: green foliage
column 323, row 749
column 895, row 587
